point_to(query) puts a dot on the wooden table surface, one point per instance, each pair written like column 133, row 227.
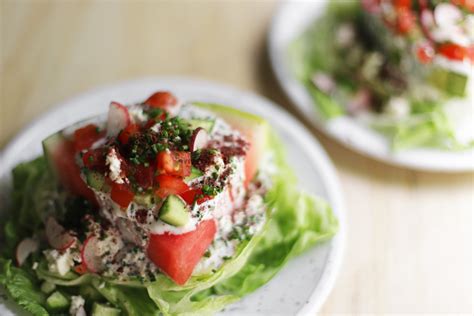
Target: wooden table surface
column 409, row 246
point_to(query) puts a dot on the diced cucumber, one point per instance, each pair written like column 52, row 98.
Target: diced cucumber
column 174, row 211
column 147, row 200
column 452, row 83
column 47, row 287
column 195, row 173
column 95, row 180
column 104, row 310
column 207, row 124
column 57, row 302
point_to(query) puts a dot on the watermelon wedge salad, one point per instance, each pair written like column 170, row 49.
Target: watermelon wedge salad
column 161, row 207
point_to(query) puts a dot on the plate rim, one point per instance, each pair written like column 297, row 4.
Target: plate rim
column 323, row 165
column 412, row 159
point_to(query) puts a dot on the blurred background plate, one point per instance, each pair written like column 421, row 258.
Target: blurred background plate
column 291, row 19
column 303, row 285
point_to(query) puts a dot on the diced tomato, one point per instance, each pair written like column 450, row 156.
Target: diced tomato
column 81, row 268
column 470, row 53
column 176, row 163
column 177, row 255
column 121, row 194
column 94, row 159
column 467, row 4
column 127, row 132
column 452, row 51
column 168, row 185
column 85, row 136
column 144, row 176
column 405, row 20
column 425, row 53
column 402, row 4
column 162, row 100
column 192, row 195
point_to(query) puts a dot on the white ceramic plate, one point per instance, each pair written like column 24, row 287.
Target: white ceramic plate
column 290, row 20
column 303, row 285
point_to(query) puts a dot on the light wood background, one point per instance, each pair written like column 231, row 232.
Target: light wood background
column 410, row 233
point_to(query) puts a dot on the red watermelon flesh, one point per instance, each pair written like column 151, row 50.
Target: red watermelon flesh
column 60, row 153
column 178, row 255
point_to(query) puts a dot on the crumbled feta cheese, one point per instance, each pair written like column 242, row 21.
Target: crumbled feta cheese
column 59, row 262
column 114, row 163
column 345, row 35
column 137, row 114
column 397, row 107
column 77, row 306
column 156, row 128
column 35, row 265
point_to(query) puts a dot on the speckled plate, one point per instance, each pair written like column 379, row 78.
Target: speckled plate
column 291, row 19
column 303, row 285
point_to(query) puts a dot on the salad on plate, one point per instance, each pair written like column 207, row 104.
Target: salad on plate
column 158, row 208
column 402, row 67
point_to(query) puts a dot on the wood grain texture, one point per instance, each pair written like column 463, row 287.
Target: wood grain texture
column 410, row 233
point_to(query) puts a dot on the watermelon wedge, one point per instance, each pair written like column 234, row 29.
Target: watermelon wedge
column 177, row 255
column 253, row 127
column 60, row 154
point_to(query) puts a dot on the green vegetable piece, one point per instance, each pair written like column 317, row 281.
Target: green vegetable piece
column 195, row 173
column 146, row 200
column 57, row 302
column 174, row 211
column 104, row 310
column 452, row 83
column 207, row 124
column 89, row 293
column 47, row 287
column 95, row 180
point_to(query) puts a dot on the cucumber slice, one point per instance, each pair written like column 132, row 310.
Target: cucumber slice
column 104, row 310
column 207, row 124
column 47, row 287
column 95, row 180
column 452, row 83
column 174, row 211
column 57, row 302
column 195, row 173
column 147, row 200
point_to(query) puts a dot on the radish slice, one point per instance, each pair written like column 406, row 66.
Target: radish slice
column 26, row 247
column 89, row 254
column 199, row 139
column 57, row 236
column 118, row 118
